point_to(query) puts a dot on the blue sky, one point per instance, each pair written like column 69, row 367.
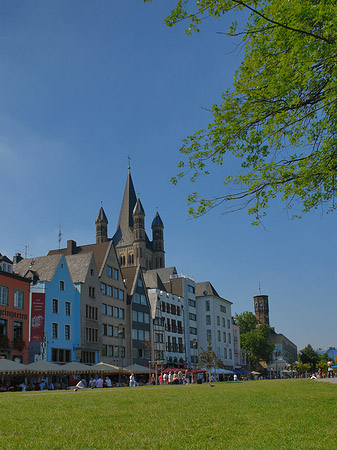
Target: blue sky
column 84, row 84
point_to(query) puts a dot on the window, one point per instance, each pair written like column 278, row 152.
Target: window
column 146, row 318
column 121, row 313
column 228, row 323
column 207, row 305
column 193, row 330
column 116, row 312
column 104, row 329
column 55, row 306
column 192, row 303
column 224, row 322
column 66, row 332
column 116, row 351
column 110, row 310
column 230, row 353
column 104, row 309
column 222, row 308
column 109, row 291
column 104, row 350
column 3, row 327
column 103, row 288
column 224, row 336
column 134, row 334
column 115, row 274
column 55, row 330
column 60, row 355
column 18, row 299
column 17, row 330
column 143, row 300
column 139, row 283
column 136, row 298
column 191, row 289
column 3, row 295
column 67, row 308
column 122, row 352
column 121, row 294
column 110, row 350
column 115, row 292
column 229, row 338
column 134, row 316
column 109, row 271
column 208, row 320
column 140, row 317
column 225, row 352
column 91, row 334
column 218, row 320
column 219, row 336
column 116, row 331
column 91, row 291
column 209, row 335
column 110, row 330
column 61, row 285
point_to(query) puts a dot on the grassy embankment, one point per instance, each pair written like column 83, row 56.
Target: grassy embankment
column 289, row 414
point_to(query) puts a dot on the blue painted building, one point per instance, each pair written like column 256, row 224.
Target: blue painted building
column 55, row 309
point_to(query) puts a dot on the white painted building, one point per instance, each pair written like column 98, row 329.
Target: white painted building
column 214, row 323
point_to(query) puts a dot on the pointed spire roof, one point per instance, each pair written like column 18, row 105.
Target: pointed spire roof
column 101, row 217
column 124, row 231
column 157, row 222
column 138, row 209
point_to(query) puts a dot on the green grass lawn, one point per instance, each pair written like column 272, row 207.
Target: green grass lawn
column 276, row 414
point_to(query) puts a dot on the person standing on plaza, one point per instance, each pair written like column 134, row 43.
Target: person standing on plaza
column 132, row 380
column 330, row 369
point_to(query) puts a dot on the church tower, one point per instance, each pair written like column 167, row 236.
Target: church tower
column 139, row 243
column 101, row 227
column 158, row 242
column 261, row 308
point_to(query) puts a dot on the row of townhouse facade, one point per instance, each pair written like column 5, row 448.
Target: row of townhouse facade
column 115, row 301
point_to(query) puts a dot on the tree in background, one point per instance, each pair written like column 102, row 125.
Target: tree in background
column 309, row 356
column 254, row 338
column 280, row 116
column 208, row 360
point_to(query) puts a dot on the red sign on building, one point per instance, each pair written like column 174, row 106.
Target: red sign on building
column 37, row 317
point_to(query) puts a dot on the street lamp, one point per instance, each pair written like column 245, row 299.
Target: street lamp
column 195, row 342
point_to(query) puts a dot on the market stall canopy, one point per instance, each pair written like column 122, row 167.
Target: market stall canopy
column 107, row 368
column 255, row 373
column 240, row 372
column 7, row 366
column 136, row 368
column 222, row 371
column 43, row 366
column 77, row 367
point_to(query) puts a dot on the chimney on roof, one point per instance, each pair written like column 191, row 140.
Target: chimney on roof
column 17, row 258
column 71, row 247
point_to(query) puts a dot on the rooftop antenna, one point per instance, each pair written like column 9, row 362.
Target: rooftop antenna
column 26, row 250
column 260, row 288
column 60, row 237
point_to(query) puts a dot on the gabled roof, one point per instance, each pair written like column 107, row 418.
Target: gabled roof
column 138, row 209
column 153, row 281
column 130, row 276
column 3, row 258
column 164, row 273
column 205, row 288
column 98, row 250
column 79, row 266
column 43, row 266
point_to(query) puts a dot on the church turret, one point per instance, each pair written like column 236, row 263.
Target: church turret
column 101, row 227
column 261, row 308
column 158, row 242
column 139, row 233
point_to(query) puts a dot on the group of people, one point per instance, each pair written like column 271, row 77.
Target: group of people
column 173, row 378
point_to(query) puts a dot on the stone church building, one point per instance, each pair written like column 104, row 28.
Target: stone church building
column 132, row 244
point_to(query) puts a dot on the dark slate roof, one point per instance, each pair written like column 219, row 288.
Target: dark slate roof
column 3, row 258
column 130, row 276
column 157, row 222
column 205, row 288
column 138, row 209
column 43, row 266
column 164, row 273
column 153, row 281
column 101, row 217
column 124, row 233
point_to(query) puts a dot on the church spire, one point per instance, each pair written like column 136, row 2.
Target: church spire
column 101, row 223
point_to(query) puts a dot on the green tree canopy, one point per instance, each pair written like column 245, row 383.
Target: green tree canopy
column 208, row 360
column 254, row 337
column 308, row 356
column 279, row 117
